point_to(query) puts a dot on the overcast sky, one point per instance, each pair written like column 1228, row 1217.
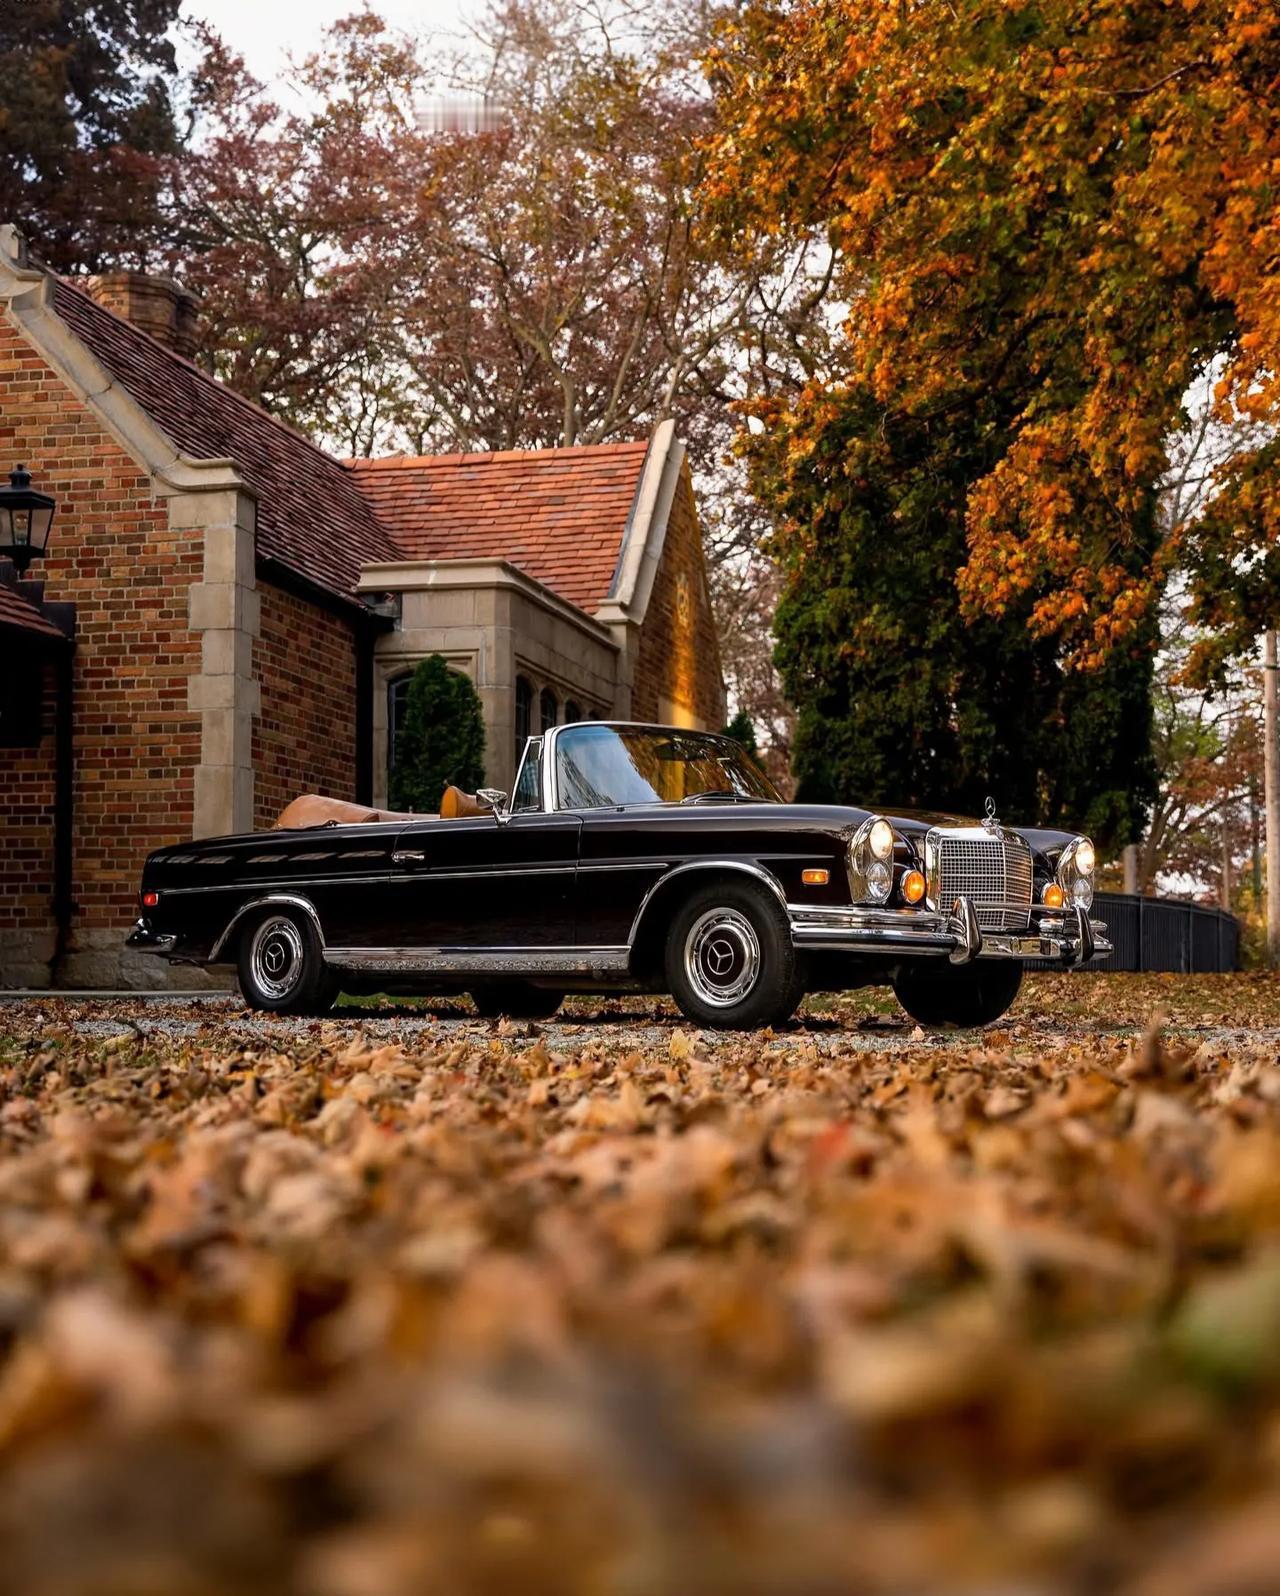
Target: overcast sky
column 265, row 31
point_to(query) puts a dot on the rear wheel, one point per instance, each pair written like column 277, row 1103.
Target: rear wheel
column 282, row 968
column 517, row 1000
column 730, row 961
column 966, row 995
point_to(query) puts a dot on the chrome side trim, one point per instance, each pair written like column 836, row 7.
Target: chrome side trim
column 271, row 901
column 630, row 864
column 481, row 961
column 404, row 878
column 771, row 881
column 482, row 872
column 276, row 886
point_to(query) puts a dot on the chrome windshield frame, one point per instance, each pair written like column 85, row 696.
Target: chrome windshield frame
column 551, row 738
column 540, row 738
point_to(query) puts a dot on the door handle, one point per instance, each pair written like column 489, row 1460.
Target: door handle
column 409, row 856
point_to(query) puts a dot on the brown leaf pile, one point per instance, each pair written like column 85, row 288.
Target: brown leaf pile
column 707, row 1316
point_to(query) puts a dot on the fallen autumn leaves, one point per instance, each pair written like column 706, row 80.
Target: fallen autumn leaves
column 993, row 1315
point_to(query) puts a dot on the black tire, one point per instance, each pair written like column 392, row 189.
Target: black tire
column 730, row 962
column 517, row 1000
column 281, row 965
column 968, row 995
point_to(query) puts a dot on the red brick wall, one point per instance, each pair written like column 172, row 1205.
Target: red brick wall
column 305, row 741
column 679, row 657
column 136, row 742
column 26, row 819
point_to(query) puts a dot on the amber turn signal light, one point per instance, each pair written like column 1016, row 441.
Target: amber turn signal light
column 913, row 886
column 815, row 878
column 150, row 899
column 1052, row 896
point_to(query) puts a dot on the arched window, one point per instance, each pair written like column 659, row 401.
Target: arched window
column 397, row 701
column 572, row 712
column 550, row 709
column 524, row 713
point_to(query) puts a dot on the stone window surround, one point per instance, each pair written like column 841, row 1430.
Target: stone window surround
column 564, row 690
column 385, row 672
column 388, row 671
column 474, row 613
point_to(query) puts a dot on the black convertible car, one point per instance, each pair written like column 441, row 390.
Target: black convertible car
column 630, row 858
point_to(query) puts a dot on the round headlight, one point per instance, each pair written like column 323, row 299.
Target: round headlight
column 881, row 840
column 879, row 880
column 1075, row 872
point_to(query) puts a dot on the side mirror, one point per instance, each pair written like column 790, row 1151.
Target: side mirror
column 495, row 799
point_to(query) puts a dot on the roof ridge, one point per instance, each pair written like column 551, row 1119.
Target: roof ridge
column 392, row 462
column 205, row 376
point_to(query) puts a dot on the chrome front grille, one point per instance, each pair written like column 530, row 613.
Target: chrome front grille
column 992, row 869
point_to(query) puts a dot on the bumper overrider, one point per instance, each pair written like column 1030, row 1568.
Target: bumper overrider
column 1064, row 936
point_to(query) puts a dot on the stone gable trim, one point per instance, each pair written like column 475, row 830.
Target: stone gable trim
column 646, row 529
column 28, row 294
column 203, row 496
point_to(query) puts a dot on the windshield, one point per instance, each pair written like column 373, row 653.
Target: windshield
column 604, row 766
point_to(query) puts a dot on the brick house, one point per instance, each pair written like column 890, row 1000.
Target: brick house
column 227, row 614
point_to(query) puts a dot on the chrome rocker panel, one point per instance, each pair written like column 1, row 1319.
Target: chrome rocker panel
column 1067, row 937
column 481, row 961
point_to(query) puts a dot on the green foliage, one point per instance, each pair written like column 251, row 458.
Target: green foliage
column 441, row 741
column 899, row 700
column 742, row 729
column 86, row 116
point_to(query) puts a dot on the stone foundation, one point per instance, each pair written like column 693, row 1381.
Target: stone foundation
column 98, row 959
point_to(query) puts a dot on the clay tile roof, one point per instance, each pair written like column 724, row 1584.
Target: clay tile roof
column 17, row 615
column 557, row 514
column 312, row 519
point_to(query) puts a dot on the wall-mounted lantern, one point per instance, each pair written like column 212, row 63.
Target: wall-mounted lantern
column 25, row 519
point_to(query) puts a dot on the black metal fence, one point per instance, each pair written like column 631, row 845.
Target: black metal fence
column 1159, row 934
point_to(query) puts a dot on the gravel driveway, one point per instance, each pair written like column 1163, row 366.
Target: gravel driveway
column 640, row 1024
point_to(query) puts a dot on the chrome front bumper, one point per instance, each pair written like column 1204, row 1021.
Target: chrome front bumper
column 1067, row 937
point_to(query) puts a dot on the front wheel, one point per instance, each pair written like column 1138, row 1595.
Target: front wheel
column 730, row 961
column 517, row 1000
column 966, row 995
column 282, row 968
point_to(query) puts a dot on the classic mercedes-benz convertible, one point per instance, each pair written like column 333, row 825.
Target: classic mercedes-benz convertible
column 629, row 858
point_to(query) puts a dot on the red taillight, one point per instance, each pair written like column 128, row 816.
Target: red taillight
column 150, row 899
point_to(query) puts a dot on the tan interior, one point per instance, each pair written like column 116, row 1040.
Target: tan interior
column 314, row 810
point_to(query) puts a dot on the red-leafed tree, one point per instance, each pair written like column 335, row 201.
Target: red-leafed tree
column 541, row 278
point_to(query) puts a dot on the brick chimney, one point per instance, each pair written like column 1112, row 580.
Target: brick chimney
column 158, row 305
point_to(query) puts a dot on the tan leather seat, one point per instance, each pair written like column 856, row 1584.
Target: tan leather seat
column 312, row 809
column 459, row 805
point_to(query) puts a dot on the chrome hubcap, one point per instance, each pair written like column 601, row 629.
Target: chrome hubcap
column 722, row 957
column 276, row 957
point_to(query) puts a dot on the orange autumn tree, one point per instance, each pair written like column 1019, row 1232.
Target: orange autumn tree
column 1052, row 217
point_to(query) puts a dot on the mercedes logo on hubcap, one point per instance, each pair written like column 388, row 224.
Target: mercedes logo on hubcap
column 273, row 957
column 719, row 957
